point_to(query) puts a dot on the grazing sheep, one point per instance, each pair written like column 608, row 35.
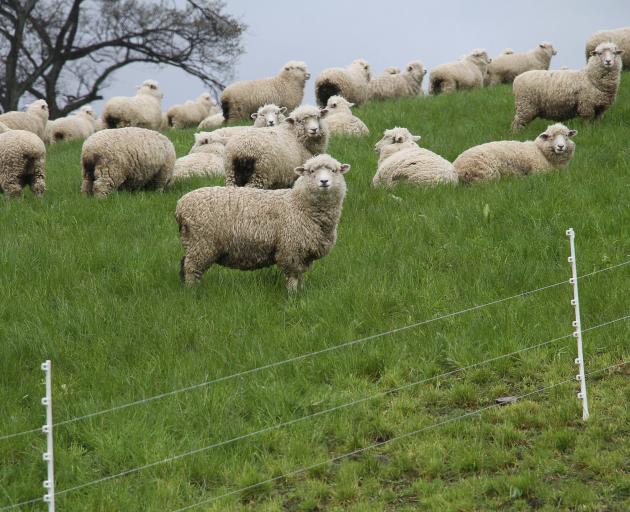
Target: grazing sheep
column 619, row 36
column 22, row 162
column 351, row 82
column 127, row 159
column 33, row 120
column 402, row 160
column 248, row 229
column 408, row 83
column 144, row 110
column 191, row 113
column 206, row 158
column 269, row 115
column 241, row 99
column 506, row 67
column 391, row 70
column 467, row 73
column 266, row 158
column 77, row 126
column 340, row 120
column 552, row 149
column 561, row 95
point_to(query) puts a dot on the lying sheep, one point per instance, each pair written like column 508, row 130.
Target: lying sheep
column 191, row 113
column 22, row 162
column 33, row 120
column 340, row 120
column 266, row 158
column 619, row 36
column 144, row 110
column 127, row 159
column 78, row 126
column 391, row 70
column 249, row 229
column 402, row 160
column 467, row 73
column 560, row 95
column 552, row 149
column 205, row 159
column 241, row 99
column 506, row 67
column 211, row 122
column 408, row 83
column 351, row 82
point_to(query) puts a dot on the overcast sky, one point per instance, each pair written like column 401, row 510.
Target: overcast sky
column 326, row 33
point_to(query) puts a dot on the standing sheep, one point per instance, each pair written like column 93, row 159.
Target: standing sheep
column 340, row 120
column 619, row 36
column 466, row 73
column 402, row 160
column 241, row 99
column 22, row 162
column 77, row 126
column 561, row 95
column 191, row 113
column 33, row 120
column 552, row 149
column 206, row 158
column 351, row 82
column 408, row 83
column 266, row 158
column 128, row 159
column 248, row 229
column 144, row 110
column 507, row 66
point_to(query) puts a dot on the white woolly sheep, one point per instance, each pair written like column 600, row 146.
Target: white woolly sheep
column 351, row 82
column 266, row 158
column 128, row 159
column 241, row 99
column 22, row 162
column 402, row 160
column 561, row 95
column 33, row 120
column 552, row 149
column 144, row 110
column 269, row 115
column 408, row 83
column 77, row 126
column 467, row 73
column 248, row 229
column 506, row 67
column 191, row 113
column 619, row 36
column 340, row 120
column 211, row 122
column 206, row 158
column 391, row 70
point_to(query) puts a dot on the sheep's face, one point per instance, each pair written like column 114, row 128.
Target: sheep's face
column 338, row 104
column 152, row 88
column 269, row 115
column 548, row 48
column 308, row 121
column 89, row 111
column 297, row 70
column 206, row 100
column 395, row 136
column 322, row 175
column 608, row 54
column 207, row 138
column 364, row 68
column 480, row 58
column 556, row 141
column 416, row 70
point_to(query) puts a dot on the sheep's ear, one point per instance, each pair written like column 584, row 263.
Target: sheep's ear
column 572, row 133
column 409, row 68
column 290, row 120
column 593, row 52
column 323, row 112
column 541, row 45
column 544, row 136
column 619, row 52
column 416, row 138
column 197, row 137
column 344, row 168
column 424, row 72
column 283, row 110
column 254, row 115
column 350, row 105
column 300, row 171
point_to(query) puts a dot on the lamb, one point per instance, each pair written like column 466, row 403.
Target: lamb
column 191, row 113
column 144, row 110
column 619, row 36
column 408, row 83
column 560, row 95
column 249, row 229
column 552, row 149
column 33, row 120
column 340, row 119
column 402, row 160
column 266, row 158
column 467, row 73
column 128, row 159
column 391, row 70
column 241, row 99
column 206, row 158
column 351, row 82
column 506, row 67
column 78, row 126
column 22, row 162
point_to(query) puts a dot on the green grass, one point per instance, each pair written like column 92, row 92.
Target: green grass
column 93, row 285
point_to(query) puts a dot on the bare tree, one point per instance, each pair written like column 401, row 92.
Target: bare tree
column 64, row 51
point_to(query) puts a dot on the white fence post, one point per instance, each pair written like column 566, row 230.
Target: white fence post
column 49, row 483
column 577, row 323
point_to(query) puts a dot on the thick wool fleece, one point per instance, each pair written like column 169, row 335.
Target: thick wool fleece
column 144, row 110
column 506, row 67
column 467, row 73
column 407, row 83
column 127, row 159
column 340, row 120
column 206, row 158
column 351, row 82
column 191, row 113
column 619, row 36
column 78, row 126
column 552, row 149
column 249, row 229
column 33, row 120
column 22, row 162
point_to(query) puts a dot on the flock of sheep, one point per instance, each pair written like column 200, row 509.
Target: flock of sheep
column 283, row 195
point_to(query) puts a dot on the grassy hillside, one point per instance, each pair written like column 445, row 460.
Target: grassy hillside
column 93, row 285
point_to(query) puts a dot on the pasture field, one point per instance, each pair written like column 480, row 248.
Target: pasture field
column 93, row 286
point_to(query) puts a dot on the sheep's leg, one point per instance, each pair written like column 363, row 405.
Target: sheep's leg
column 87, row 186
column 160, row 180
column 38, row 182
column 197, row 260
column 449, row 85
column 12, row 187
column 525, row 113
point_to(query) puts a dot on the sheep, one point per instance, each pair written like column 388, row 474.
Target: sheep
column 33, row 120
column 211, row 122
column 340, row 119
column 144, row 110
column 266, row 158
column 22, row 162
column 408, row 83
column 391, row 70
column 402, row 160
column 249, row 229
column 619, row 36
column 269, row 115
column 206, row 158
column 467, row 73
column 78, row 126
column 560, row 95
column 351, row 82
column 552, row 149
column 126, row 158
column 191, row 113
column 504, row 68
column 241, row 99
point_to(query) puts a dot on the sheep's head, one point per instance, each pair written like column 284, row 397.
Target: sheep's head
column 555, row 142
column 338, row 104
column 203, row 141
column 548, row 48
column 206, row 100
column 607, row 55
column 363, row 67
column 38, row 108
column 152, row 88
column 400, row 137
column 416, row 70
column 269, row 115
column 480, row 58
column 391, row 70
column 88, row 111
column 307, row 121
column 297, row 70
column 322, row 175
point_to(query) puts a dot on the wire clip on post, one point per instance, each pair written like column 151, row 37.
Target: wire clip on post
column 577, row 324
column 49, row 483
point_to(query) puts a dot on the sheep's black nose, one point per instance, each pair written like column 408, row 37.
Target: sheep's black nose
column 324, row 182
column 270, row 123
